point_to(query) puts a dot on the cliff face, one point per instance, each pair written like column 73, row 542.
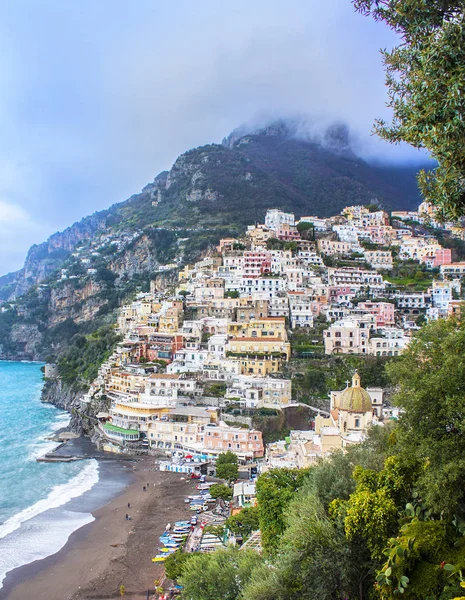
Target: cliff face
column 67, row 398
column 43, row 259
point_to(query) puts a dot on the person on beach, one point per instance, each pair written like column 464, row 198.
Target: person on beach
column 143, row 487
column 127, row 517
column 129, row 505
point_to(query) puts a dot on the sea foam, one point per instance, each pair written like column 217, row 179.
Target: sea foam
column 43, row 445
column 59, row 495
column 38, row 538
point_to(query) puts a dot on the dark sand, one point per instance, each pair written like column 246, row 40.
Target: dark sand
column 111, row 551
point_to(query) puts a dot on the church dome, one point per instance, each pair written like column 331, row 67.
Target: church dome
column 355, row 398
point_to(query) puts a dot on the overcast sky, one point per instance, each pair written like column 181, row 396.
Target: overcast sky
column 97, row 97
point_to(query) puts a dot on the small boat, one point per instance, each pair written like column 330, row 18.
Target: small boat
column 181, row 523
column 166, row 541
column 159, row 558
column 167, row 550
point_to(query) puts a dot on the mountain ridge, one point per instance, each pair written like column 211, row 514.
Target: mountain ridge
column 293, row 173
column 75, row 281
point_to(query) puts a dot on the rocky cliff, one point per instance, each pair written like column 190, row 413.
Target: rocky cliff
column 67, row 397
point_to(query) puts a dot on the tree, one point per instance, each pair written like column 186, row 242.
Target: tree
column 227, row 471
column 175, row 564
column 425, row 75
column 221, row 574
column 231, row 294
column 430, row 376
column 226, row 466
column 306, row 230
column 275, row 490
column 311, row 562
column 219, row 490
column 244, row 522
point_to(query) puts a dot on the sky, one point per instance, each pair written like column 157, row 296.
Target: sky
column 96, row 98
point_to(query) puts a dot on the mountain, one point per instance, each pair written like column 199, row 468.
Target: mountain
column 73, row 282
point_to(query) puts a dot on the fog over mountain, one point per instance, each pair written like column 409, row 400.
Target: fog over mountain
column 96, row 98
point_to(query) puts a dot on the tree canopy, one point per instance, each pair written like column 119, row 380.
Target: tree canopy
column 425, row 76
column 226, row 466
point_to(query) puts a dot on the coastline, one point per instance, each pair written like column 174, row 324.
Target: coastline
column 110, row 551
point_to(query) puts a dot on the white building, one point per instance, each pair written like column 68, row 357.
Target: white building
column 276, row 218
column 349, row 336
column 389, row 341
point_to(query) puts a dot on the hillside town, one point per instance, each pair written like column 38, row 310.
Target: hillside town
column 220, row 338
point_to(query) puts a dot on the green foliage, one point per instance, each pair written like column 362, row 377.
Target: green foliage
column 425, row 75
column 275, row 490
column 275, row 244
column 321, row 375
column 85, row 354
column 371, row 516
column 218, row 390
column 312, row 561
column 244, row 522
column 226, row 466
column 176, row 563
column 219, row 490
column 221, row 574
column 431, row 389
column 227, row 471
column 226, row 458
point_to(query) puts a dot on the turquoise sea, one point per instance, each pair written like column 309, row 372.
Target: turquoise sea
column 36, row 515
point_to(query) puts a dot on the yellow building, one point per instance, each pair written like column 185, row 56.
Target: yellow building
column 259, row 365
column 170, row 321
column 265, row 327
column 259, row 235
column 125, row 383
column 272, row 347
column 184, row 274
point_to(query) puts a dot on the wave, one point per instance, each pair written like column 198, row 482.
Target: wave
column 42, row 445
column 42, row 537
column 59, row 495
column 62, row 420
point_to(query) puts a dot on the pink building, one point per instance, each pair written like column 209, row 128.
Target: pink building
column 341, row 293
column 383, row 311
column 443, row 256
column 247, row 444
column 287, row 233
column 256, row 263
column 160, row 346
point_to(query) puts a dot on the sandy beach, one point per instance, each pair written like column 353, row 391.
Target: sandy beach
column 111, row 551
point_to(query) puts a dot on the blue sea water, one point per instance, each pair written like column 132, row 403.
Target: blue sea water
column 35, row 518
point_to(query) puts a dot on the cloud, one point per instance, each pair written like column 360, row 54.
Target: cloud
column 97, row 97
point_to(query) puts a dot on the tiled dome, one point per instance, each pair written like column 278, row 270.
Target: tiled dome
column 355, row 398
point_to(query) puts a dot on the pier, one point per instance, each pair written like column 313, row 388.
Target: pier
column 79, row 448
